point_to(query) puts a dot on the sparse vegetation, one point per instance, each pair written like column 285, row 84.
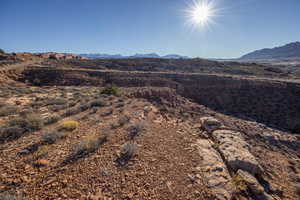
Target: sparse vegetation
column 10, row 133
column 127, row 152
column 29, row 122
column 41, row 152
column 7, row 196
column 6, row 110
column 69, row 125
column 135, row 129
column 89, row 145
column 52, row 137
column 111, row 90
column 52, row 118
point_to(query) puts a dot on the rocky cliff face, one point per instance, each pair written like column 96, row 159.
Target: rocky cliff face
column 275, row 103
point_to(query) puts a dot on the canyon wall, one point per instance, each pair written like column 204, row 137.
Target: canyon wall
column 272, row 102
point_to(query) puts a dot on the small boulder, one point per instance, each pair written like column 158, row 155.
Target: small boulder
column 210, row 124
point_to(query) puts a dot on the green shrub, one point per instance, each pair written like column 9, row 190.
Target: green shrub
column 110, row 90
column 68, row 125
column 6, row 110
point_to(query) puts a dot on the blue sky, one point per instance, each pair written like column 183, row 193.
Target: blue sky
column 145, row 26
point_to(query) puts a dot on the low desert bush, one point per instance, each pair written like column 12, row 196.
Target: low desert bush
column 69, row 125
column 89, row 144
column 52, row 137
column 41, row 152
column 110, row 90
column 6, row 110
column 29, row 122
column 135, row 129
column 52, row 118
column 10, row 133
column 127, row 152
column 7, row 196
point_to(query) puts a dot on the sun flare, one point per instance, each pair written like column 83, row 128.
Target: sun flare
column 201, row 12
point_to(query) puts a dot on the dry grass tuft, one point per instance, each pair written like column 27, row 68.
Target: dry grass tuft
column 69, row 125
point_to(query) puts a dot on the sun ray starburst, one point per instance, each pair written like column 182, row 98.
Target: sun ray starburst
column 201, row 13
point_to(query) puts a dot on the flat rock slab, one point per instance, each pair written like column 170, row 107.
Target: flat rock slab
column 236, row 152
column 214, row 171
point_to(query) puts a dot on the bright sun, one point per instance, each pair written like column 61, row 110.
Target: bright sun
column 201, row 12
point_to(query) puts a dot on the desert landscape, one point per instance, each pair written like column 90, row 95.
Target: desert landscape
column 147, row 128
column 149, row 100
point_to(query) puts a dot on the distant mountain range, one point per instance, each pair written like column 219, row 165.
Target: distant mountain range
column 151, row 55
column 288, row 51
